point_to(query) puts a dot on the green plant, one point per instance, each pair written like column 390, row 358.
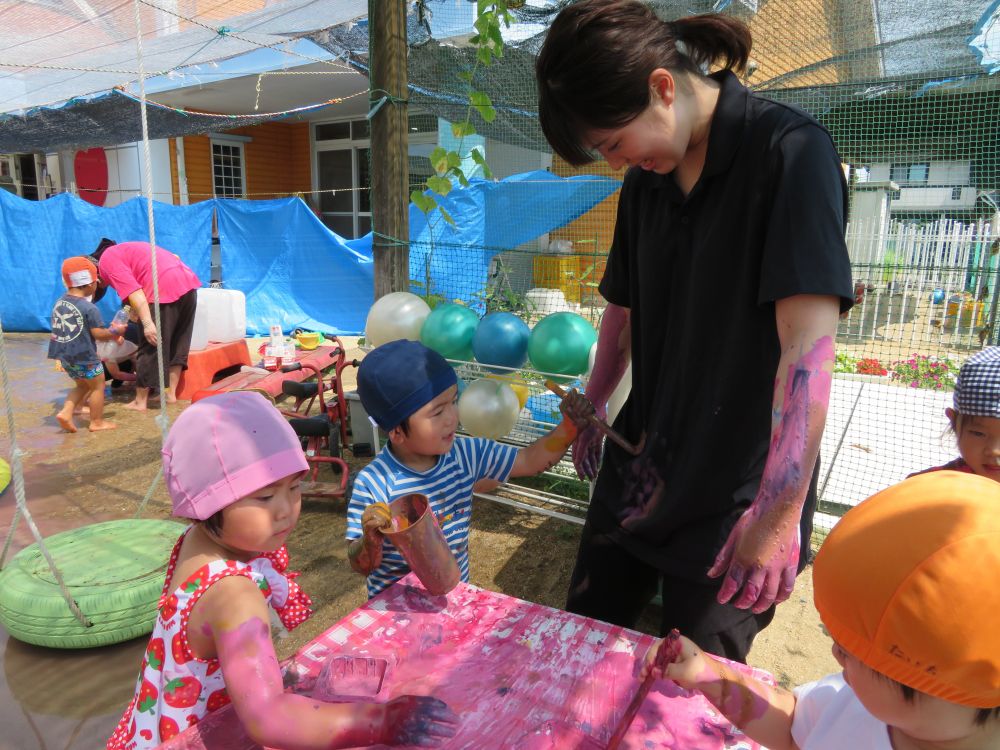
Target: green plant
column 925, row 371
column 447, row 164
column 845, row 363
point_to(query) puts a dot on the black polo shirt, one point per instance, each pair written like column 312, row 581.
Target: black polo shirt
column 701, row 274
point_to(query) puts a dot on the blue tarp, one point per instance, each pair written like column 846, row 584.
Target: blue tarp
column 491, row 217
column 294, row 271
column 35, row 238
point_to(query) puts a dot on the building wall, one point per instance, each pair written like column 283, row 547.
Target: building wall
column 276, row 160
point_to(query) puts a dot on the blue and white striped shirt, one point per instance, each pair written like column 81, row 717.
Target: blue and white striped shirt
column 448, row 486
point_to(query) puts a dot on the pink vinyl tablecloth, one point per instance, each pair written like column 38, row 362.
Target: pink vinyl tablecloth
column 521, row 676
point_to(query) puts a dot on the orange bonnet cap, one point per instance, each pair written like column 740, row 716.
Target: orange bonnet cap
column 907, row 582
column 78, row 271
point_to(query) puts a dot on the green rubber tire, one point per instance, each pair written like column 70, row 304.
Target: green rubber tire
column 113, row 570
column 4, row 475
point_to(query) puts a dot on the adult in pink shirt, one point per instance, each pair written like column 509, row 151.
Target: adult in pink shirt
column 128, row 268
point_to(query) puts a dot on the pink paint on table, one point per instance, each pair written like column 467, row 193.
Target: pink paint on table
column 521, row 676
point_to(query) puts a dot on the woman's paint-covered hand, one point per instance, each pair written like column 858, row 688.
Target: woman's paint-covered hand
column 759, row 559
column 418, row 720
column 587, row 452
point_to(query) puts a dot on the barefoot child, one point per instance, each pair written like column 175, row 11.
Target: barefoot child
column 76, row 325
column 975, row 418
column 233, row 465
column 410, row 391
column 902, row 586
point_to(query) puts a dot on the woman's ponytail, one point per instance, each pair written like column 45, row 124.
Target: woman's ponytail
column 712, row 38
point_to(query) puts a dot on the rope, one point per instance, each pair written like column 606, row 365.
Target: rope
column 254, row 116
column 17, row 472
column 149, row 492
column 162, row 419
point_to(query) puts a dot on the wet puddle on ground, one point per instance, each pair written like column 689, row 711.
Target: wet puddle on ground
column 52, row 699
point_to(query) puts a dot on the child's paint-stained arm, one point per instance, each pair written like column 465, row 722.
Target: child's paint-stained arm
column 545, row 452
column 235, row 616
column 761, row 711
column 761, row 555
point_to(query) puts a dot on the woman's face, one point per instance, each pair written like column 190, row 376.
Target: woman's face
column 656, row 140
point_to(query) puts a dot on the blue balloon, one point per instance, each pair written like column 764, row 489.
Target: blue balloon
column 501, row 339
column 937, row 297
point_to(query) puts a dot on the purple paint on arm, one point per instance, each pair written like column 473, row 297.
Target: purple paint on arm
column 762, row 552
column 254, row 682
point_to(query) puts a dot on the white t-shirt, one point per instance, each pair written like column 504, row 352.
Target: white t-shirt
column 829, row 716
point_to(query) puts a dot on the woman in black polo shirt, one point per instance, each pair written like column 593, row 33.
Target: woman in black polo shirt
column 725, row 279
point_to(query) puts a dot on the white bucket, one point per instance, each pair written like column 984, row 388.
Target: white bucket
column 221, row 317
column 543, row 301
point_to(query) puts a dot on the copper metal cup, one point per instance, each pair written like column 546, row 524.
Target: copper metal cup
column 422, row 543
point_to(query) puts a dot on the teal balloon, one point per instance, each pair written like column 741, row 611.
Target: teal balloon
column 560, row 343
column 449, row 329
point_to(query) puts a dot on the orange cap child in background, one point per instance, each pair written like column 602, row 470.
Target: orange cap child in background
column 903, row 585
column 76, row 325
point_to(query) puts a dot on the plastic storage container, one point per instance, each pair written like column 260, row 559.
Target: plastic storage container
column 221, row 317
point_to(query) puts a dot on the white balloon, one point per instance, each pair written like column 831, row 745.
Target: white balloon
column 488, row 408
column 397, row 315
column 591, row 358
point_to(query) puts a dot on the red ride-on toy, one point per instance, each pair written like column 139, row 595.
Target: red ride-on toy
column 324, row 434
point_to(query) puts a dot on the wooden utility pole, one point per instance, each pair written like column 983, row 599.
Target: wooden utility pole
column 390, row 172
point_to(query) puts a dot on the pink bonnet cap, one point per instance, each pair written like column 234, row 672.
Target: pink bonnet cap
column 225, row 447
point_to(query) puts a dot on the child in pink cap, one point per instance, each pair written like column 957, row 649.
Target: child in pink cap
column 233, row 465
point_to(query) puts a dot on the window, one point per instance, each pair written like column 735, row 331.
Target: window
column 910, row 174
column 956, row 193
column 343, row 174
column 227, row 169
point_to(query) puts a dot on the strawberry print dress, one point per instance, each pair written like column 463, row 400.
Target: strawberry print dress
column 176, row 689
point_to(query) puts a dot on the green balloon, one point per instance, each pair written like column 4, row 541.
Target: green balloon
column 560, row 343
column 449, row 329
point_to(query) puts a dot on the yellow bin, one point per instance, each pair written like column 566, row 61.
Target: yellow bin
column 967, row 313
column 558, row 272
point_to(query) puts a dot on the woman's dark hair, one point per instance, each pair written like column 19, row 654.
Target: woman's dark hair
column 593, row 69
column 103, row 245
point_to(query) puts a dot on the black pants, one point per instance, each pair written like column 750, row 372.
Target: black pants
column 176, row 326
column 612, row 585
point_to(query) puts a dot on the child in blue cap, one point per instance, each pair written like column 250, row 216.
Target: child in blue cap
column 411, row 392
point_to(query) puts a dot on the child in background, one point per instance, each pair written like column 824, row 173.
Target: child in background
column 234, row 465
column 902, row 584
column 975, row 418
column 76, row 325
column 125, row 352
column 411, row 392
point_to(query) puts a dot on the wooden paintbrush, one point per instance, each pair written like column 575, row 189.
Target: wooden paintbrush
column 668, row 652
column 599, row 423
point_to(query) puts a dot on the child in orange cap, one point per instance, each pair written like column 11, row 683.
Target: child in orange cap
column 76, row 325
column 902, row 585
column 975, row 418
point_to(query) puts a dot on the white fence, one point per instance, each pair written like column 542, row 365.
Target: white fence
column 930, row 283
